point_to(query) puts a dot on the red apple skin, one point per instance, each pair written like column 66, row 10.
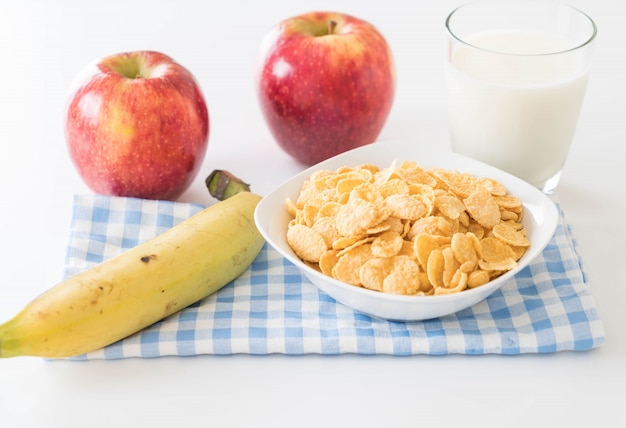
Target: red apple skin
column 322, row 94
column 141, row 136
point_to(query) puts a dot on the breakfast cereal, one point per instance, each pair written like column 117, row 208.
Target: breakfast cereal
column 405, row 229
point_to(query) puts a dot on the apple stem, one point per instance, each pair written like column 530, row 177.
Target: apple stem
column 331, row 26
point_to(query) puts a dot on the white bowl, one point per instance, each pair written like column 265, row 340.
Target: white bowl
column 540, row 221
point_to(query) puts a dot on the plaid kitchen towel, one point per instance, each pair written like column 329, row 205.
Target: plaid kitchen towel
column 272, row 308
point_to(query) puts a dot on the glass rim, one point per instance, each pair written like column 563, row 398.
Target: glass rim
column 588, row 41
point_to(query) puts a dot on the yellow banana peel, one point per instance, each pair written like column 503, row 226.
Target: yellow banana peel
column 139, row 287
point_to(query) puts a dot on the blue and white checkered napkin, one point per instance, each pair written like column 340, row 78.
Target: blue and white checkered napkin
column 272, row 308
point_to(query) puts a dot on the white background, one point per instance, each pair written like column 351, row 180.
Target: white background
column 42, row 47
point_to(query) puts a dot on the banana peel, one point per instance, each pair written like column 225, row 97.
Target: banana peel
column 143, row 285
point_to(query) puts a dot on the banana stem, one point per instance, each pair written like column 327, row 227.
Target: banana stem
column 222, row 184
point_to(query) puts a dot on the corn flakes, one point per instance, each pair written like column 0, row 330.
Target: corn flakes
column 405, row 229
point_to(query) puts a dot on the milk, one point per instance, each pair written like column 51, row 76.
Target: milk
column 517, row 111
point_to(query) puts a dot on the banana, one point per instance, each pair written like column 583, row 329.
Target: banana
column 140, row 286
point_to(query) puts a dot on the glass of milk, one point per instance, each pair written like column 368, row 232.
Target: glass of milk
column 516, row 73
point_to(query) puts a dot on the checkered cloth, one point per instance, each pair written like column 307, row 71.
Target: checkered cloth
column 272, row 308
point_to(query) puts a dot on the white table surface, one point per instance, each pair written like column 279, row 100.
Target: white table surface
column 42, row 47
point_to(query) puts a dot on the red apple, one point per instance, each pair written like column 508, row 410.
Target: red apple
column 137, row 125
column 326, row 83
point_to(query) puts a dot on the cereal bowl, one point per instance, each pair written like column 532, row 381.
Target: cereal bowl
column 539, row 220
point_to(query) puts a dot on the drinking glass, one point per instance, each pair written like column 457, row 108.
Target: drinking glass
column 516, row 74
